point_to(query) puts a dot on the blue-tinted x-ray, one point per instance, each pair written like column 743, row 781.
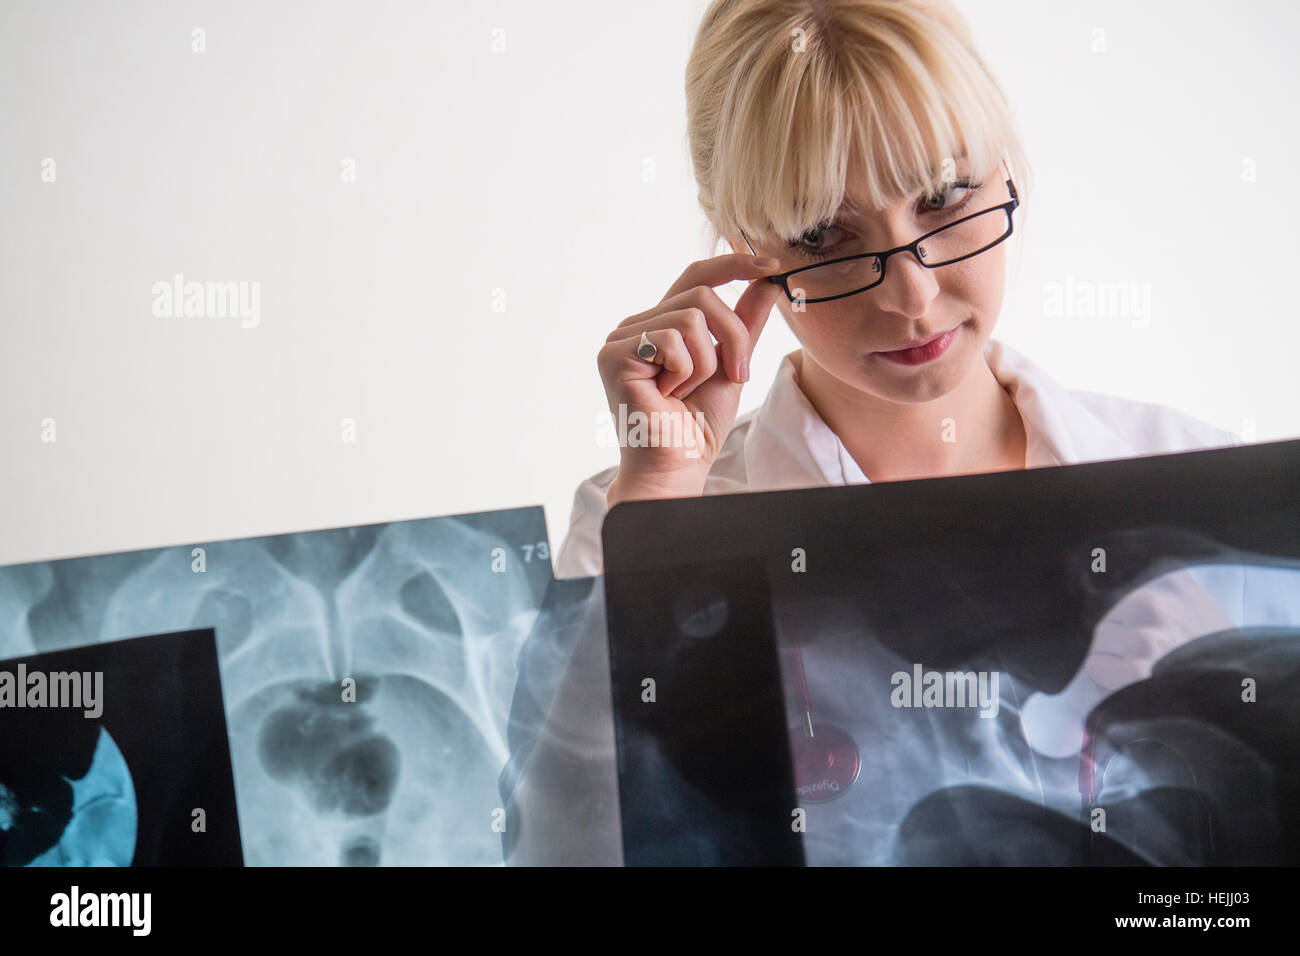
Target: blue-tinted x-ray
column 570, row 605
column 141, row 778
column 101, row 831
column 367, row 672
column 89, row 821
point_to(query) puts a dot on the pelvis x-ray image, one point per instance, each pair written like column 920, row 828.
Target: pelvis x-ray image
column 1087, row 665
column 367, row 672
column 115, row 754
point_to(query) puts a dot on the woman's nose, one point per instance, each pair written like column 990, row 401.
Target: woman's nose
column 908, row 287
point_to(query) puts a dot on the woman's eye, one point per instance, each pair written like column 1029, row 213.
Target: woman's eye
column 816, row 240
column 936, row 202
column 820, row 241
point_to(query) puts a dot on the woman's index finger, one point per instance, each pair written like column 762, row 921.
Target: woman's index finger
column 755, row 306
column 720, row 270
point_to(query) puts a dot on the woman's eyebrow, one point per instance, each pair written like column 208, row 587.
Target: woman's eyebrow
column 850, row 207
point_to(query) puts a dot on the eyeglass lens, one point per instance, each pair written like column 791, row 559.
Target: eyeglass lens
column 955, row 242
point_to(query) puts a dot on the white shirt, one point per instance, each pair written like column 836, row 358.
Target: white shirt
column 784, row 444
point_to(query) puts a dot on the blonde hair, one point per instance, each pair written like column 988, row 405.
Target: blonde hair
column 785, row 97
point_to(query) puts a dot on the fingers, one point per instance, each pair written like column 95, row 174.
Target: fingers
column 754, row 306
column 693, row 327
column 673, row 363
column 719, row 270
column 697, row 316
column 701, row 316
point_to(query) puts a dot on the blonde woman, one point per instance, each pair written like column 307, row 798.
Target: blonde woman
column 822, row 133
column 862, row 162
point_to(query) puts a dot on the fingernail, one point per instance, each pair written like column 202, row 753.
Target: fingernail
column 766, row 262
column 744, row 370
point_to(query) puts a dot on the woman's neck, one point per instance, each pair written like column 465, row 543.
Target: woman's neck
column 974, row 428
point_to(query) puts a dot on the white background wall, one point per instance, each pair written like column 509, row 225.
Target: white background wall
column 517, row 177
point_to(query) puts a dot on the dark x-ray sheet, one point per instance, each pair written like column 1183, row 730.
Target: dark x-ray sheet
column 367, row 672
column 1095, row 664
column 115, row 755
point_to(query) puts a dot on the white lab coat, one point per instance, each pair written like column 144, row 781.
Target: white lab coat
column 784, row 444
column 568, row 795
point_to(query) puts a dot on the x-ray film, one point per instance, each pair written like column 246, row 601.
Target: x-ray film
column 569, row 605
column 115, row 754
column 1085, row 665
column 367, row 672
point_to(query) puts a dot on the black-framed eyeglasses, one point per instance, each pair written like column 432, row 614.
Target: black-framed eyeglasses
column 849, row 275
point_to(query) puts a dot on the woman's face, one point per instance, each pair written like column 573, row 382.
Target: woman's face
column 912, row 304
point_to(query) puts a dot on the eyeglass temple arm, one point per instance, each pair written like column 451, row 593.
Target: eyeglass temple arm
column 776, row 280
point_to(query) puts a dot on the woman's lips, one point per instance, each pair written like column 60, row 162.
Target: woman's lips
column 921, row 354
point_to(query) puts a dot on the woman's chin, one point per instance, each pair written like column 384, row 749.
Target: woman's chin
column 923, row 382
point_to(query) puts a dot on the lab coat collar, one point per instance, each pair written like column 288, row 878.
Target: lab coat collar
column 788, row 445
